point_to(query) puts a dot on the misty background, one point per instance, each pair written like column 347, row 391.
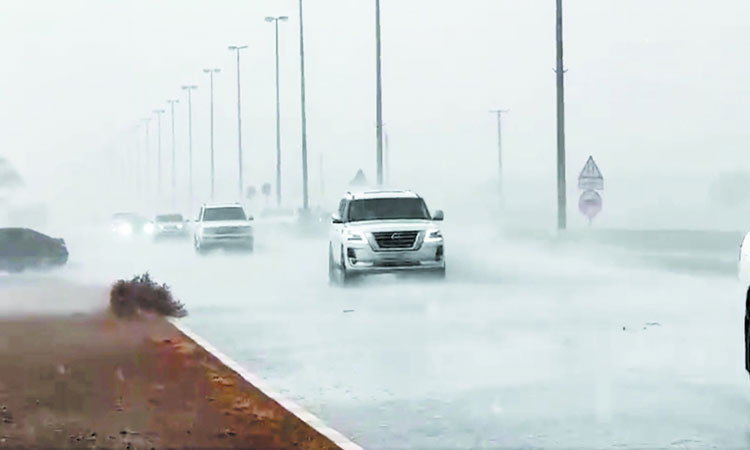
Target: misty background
column 655, row 91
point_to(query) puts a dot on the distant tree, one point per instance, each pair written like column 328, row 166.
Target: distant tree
column 9, row 177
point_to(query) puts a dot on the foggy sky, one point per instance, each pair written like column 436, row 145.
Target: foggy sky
column 652, row 86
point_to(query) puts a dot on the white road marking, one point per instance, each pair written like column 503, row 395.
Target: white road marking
column 312, row 420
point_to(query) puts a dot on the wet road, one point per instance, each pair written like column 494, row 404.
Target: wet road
column 528, row 343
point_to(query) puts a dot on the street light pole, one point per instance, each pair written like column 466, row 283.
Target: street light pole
column 174, row 151
column 189, row 89
column 136, row 167
column 237, row 49
column 147, row 183
column 158, row 113
column 211, row 73
column 378, row 96
column 305, row 194
column 276, row 20
column 499, row 113
column 560, row 70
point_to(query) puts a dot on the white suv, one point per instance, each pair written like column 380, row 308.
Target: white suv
column 223, row 225
column 384, row 231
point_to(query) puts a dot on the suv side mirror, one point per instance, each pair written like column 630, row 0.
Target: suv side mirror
column 336, row 218
column 438, row 215
column 250, row 218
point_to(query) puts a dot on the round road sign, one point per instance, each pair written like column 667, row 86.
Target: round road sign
column 590, row 204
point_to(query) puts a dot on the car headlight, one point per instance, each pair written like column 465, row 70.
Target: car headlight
column 355, row 236
column 125, row 229
column 179, row 226
column 148, row 228
column 434, row 235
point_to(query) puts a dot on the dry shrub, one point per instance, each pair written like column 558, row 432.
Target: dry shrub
column 129, row 298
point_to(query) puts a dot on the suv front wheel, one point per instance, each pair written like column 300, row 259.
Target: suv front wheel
column 337, row 273
column 198, row 247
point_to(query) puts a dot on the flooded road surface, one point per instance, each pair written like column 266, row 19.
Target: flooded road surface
column 532, row 341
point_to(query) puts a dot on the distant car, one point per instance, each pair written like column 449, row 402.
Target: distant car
column 223, row 226
column 23, row 248
column 128, row 224
column 170, row 226
column 384, row 231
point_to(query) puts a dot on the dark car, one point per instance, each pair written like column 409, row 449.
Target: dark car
column 22, row 248
column 747, row 331
column 127, row 224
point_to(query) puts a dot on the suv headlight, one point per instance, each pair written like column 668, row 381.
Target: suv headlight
column 355, row 236
column 434, row 235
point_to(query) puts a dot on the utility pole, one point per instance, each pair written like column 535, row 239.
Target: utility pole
column 158, row 113
column 137, row 166
column 499, row 113
column 386, row 157
column 378, row 96
column 236, row 49
column 275, row 21
column 147, row 121
column 211, row 73
column 174, row 152
column 189, row 89
column 305, row 193
column 560, row 70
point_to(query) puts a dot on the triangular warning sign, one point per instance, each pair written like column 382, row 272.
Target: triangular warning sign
column 359, row 179
column 590, row 177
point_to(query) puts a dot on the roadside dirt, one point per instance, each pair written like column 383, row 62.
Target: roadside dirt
column 93, row 381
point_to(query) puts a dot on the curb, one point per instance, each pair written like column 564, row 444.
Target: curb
column 310, row 419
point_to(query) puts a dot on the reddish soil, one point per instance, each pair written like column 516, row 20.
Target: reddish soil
column 100, row 382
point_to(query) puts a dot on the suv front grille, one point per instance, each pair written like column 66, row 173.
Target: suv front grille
column 395, row 239
column 227, row 230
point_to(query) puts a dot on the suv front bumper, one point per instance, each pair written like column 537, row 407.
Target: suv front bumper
column 226, row 240
column 361, row 258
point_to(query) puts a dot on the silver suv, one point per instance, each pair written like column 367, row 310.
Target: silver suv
column 223, row 225
column 384, row 231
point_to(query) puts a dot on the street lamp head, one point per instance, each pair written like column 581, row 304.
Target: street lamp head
column 237, row 47
column 270, row 19
column 283, row 18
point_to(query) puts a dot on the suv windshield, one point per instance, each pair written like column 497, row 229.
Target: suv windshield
column 169, row 218
column 388, row 208
column 228, row 213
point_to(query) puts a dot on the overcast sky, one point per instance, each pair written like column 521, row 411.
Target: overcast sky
column 654, row 85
